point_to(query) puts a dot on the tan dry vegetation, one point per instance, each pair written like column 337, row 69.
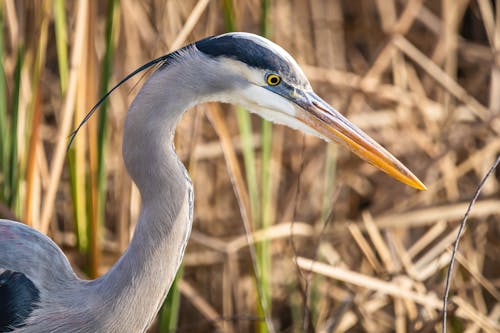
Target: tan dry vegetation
column 421, row 77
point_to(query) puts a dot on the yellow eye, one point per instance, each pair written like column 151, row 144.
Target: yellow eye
column 273, row 79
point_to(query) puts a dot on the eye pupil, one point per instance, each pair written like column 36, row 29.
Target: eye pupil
column 273, row 79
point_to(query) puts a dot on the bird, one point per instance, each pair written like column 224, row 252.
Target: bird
column 39, row 291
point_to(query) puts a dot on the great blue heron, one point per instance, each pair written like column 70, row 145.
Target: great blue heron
column 39, row 291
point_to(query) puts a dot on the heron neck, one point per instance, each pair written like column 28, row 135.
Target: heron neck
column 137, row 285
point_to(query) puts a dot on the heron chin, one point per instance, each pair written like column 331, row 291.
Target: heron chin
column 40, row 293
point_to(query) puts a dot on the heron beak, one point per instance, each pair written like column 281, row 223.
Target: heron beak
column 317, row 114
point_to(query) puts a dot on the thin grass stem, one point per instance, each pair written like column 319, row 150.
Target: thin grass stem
column 169, row 313
column 5, row 143
column 35, row 118
column 263, row 248
column 12, row 200
column 61, row 43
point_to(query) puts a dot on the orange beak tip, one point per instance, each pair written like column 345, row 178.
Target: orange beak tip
column 327, row 121
column 420, row 186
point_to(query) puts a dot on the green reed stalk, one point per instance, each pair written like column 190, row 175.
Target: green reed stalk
column 112, row 22
column 61, row 43
column 75, row 160
column 245, row 126
column 63, row 67
column 262, row 249
column 260, row 198
column 246, row 135
column 78, row 195
column 5, row 143
column 77, row 180
column 9, row 170
column 90, row 209
column 169, row 313
column 34, row 116
column 13, row 181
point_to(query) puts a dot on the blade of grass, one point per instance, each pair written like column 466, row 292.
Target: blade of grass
column 217, row 121
column 91, row 85
column 260, row 213
column 61, row 43
column 229, row 17
column 99, row 177
column 112, row 22
column 14, row 171
column 66, row 118
column 169, row 313
column 5, row 142
column 263, row 248
column 77, row 181
column 81, row 231
column 245, row 126
column 35, row 116
column 220, row 127
column 31, row 168
column 77, row 162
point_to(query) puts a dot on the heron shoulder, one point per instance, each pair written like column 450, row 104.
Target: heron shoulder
column 34, row 254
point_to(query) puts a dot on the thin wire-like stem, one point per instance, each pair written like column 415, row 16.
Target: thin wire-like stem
column 307, row 324
column 459, row 234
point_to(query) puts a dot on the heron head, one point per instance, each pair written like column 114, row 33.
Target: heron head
column 276, row 88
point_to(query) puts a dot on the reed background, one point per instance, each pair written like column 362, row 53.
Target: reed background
column 421, row 77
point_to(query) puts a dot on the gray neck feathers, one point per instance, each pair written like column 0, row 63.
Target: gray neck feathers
column 137, row 285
